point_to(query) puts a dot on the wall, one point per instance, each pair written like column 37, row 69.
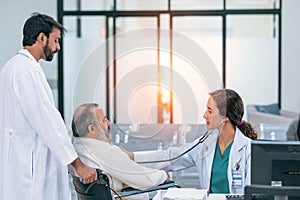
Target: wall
column 12, row 18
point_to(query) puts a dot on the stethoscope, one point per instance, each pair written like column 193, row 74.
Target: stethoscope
column 201, row 140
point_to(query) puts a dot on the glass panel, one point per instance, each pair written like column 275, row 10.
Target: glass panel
column 84, row 64
column 249, row 26
column 252, row 4
column 87, row 5
column 70, row 4
column 137, row 72
column 252, row 58
column 93, row 27
column 132, row 23
column 142, row 5
column 88, row 26
column 196, row 4
column 197, row 64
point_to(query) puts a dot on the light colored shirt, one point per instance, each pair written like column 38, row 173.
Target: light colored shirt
column 114, row 162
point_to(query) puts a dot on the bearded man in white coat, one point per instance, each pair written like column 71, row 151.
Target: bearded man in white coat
column 35, row 147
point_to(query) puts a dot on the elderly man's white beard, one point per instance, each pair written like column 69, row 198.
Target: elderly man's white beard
column 109, row 137
column 105, row 135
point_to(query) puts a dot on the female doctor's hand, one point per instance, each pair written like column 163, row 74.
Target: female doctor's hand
column 87, row 174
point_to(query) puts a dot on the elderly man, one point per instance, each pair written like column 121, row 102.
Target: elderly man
column 93, row 144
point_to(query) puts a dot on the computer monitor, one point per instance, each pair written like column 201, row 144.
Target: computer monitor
column 275, row 163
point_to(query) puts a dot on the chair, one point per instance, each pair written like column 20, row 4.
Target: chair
column 92, row 191
column 268, row 114
column 100, row 189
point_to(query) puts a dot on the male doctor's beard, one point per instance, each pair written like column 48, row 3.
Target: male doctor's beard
column 48, row 53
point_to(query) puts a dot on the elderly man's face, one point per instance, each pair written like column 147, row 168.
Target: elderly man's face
column 104, row 123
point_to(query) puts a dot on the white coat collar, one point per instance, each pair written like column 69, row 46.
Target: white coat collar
column 210, row 143
column 240, row 141
column 209, row 151
column 26, row 53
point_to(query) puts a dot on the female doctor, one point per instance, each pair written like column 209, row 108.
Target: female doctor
column 223, row 159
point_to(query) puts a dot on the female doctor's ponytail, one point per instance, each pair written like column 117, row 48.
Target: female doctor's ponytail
column 247, row 129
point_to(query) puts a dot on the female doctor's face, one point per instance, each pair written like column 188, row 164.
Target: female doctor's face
column 212, row 115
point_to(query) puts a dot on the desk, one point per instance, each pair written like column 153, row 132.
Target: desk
column 160, row 195
column 217, row 196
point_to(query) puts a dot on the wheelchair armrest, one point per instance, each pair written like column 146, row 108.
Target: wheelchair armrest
column 98, row 189
column 132, row 191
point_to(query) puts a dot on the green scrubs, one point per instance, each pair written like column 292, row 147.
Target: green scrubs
column 219, row 179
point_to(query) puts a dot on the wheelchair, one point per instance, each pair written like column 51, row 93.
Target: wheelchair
column 100, row 189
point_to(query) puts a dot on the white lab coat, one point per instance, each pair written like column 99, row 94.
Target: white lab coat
column 202, row 157
column 35, row 147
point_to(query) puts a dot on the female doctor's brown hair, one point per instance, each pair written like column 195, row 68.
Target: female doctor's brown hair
column 231, row 105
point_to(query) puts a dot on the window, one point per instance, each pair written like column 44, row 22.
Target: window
column 155, row 61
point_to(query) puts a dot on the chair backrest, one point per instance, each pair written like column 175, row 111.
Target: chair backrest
column 98, row 190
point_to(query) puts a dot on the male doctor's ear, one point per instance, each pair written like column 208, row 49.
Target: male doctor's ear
column 41, row 37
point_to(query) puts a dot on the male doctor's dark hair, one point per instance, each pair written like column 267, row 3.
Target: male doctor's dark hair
column 36, row 24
